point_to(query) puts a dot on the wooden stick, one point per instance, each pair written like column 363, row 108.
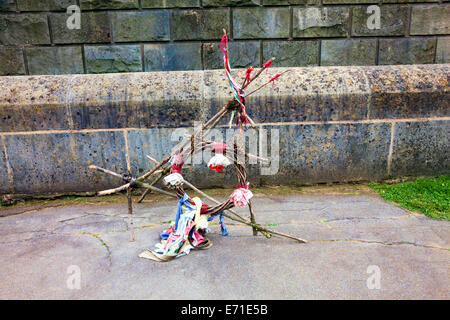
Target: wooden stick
column 152, row 159
column 252, row 217
column 165, row 170
column 263, row 85
column 250, row 120
column 241, row 219
column 130, row 213
column 125, row 186
column 113, row 190
column 149, row 186
column 249, row 155
column 257, row 74
column 92, row 167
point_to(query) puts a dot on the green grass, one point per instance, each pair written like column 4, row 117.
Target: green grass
column 430, row 196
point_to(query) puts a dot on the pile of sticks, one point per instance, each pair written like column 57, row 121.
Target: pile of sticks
column 196, row 143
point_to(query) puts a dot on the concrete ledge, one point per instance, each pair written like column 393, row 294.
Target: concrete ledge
column 172, row 99
column 335, row 124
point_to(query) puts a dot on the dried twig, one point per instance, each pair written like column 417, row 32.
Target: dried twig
column 257, row 74
column 263, row 85
column 152, row 159
column 130, row 213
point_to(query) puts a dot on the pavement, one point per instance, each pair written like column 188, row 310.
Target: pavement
column 360, row 247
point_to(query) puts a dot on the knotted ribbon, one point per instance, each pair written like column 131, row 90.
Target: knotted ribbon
column 241, row 196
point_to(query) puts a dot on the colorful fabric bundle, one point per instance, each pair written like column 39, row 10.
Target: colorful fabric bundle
column 183, row 235
column 241, row 196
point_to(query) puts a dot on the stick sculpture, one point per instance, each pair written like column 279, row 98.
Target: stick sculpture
column 224, row 155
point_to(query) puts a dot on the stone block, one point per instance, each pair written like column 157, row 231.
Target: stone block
column 230, row 3
column 406, row 51
column 94, row 28
column 288, row 2
column 348, row 52
column 416, row 91
column 250, row 23
column 443, row 50
column 44, row 5
column 8, row 5
column 172, row 56
column 349, row 1
column 151, row 99
column 22, row 29
column 199, row 24
column 140, row 26
column 409, row 1
column 170, row 3
column 320, row 22
column 113, row 58
column 42, row 117
column 109, row 4
column 55, row 60
column 57, row 162
column 393, row 21
column 292, row 53
column 242, row 54
column 5, row 186
column 433, row 19
column 313, row 153
column 12, row 61
column 421, row 148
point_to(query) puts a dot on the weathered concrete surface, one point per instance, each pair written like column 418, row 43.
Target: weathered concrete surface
column 348, row 228
column 172, row 99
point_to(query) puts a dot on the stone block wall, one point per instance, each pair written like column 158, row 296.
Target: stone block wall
column 167, row 35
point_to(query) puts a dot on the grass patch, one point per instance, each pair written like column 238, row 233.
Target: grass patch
column 430, row 196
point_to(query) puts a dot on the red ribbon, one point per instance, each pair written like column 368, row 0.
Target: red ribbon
column 223, row 48
column 273, row 79
column 267, row 64
column 204, row 208
column 223, row 43
column 244, row 187
column 247, row 75
column 176, row 169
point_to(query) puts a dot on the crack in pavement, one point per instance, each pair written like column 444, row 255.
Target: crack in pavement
column 329, row 220
column 104, row 244
column 74, row 218
column 396, row 243
column 94, row 235
column 28, row 210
